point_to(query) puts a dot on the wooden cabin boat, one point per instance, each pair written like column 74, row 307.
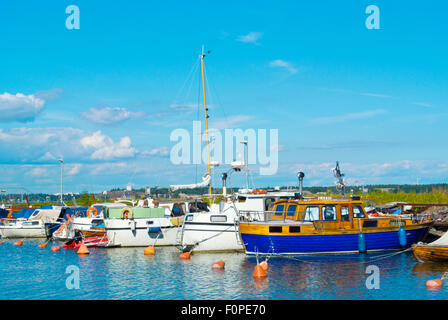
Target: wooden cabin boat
column 434, row 251
column 328, row 225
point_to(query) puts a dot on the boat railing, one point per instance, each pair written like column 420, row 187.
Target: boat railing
column 252, row 215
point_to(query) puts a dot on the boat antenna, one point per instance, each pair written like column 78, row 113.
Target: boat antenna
column 301, row 175
column 340, row 184
column 202, row 56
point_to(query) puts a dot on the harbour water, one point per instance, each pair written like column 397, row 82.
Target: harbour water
column 29, row 272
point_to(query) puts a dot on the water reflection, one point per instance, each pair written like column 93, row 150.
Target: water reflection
column 126, row 273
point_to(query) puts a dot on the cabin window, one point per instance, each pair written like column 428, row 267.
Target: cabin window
column 218, row 219
column 344, row 214
column 370, row 224
column 268, row 202
column 311, row 213
column 294, row 229
column 358, row 212
column 241, row 199
column 279, row 210
column 189, row 218
column 275, row 229
column 291, row 210
column 329, row 212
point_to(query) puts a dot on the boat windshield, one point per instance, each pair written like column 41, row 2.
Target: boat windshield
column 358, row 212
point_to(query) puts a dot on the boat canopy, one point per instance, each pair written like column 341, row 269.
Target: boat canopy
column 23, row 213
column 3, row 213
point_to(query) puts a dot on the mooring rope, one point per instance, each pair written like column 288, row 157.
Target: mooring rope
column 377, row 258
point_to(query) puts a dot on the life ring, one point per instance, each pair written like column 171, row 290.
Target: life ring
column 95, row 212
column 126, row 213
column 259, row 191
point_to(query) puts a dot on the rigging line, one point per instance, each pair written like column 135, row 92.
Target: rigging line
column 195, row 65
column 191, row 82
column 219, row 102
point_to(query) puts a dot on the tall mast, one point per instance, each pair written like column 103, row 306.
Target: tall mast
column 206, row 122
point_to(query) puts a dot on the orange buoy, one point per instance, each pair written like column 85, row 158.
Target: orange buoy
column 83, row 249
column 55, row 248
column 18, row 243
column 1, row 242
column 264, row 265
column 185, row 256
column 43, row 245
column 434, row 284
column 150, row 251
column 259, row 272
column 218, row 265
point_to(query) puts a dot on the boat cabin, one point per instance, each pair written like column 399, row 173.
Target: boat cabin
column 344, row 209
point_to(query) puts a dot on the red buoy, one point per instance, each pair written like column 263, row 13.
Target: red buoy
column 434, row 284
column 218, row 265
column 55, row 248
column 18, row 243
column 185, row 256
column 259, row 272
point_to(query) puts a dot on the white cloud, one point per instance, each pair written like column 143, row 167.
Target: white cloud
column 347, row 117
column 19, row 107
column 109, row 115
column 251, row 37
column 229, row 122
column 106, row 148
column 162, row 151
column 422, row 104
column 37, row 172
column 283, row 64
column 46, row 145
column 76, row 168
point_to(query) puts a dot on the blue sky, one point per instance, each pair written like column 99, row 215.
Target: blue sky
column 107, row 96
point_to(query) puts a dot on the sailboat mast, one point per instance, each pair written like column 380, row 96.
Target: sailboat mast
column 206, row 123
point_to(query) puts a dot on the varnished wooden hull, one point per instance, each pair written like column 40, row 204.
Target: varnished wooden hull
column 425, row 253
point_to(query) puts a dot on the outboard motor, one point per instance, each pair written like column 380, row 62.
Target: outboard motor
column 300, row 175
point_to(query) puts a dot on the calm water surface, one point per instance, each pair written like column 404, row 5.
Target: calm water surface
column 29, row 272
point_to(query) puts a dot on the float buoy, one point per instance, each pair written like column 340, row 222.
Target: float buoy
column 18, row 243
column 185, row 256
column 434, row 284
column 402, row 236
column 149, row 251
column 43, row 245
column 361, row 243
column 264, row 265
column 55, row 248
column 218, row 265
column 1, row 242
column 259, row 272
column 83, row 249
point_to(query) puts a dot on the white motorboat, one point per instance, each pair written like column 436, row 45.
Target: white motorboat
column 142, row 226
column 32, row 225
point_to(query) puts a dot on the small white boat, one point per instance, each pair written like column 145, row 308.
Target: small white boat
column 86, row 224
column 142, row 226
column 32, row 226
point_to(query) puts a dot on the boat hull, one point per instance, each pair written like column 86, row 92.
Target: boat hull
column 123, row 232
column 201, row 234
column 425, row 253
column 329, row 243
column 23, row 231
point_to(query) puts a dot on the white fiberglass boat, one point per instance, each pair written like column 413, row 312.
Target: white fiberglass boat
column 31, row 226
column 136, row 227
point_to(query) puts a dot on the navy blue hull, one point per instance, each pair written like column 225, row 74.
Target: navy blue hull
column 309, row 244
